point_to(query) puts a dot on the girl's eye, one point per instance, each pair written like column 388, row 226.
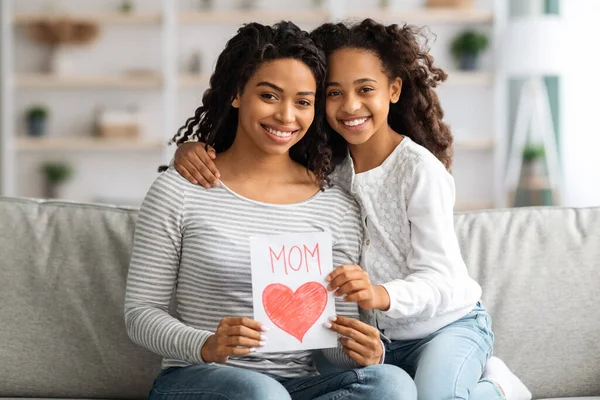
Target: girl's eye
column 304, row 103
column 268, row 96
column 333, row 93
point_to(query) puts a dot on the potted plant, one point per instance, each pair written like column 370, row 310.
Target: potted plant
column 534, row 187
column 55, row 174
column 36, row 117
column 466, row 48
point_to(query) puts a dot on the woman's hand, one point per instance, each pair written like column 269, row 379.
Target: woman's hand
column 235, row 336
column 360, row 341
column 353, row 282
column 196, row 164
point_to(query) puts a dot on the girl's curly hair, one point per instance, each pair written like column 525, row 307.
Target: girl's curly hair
column 404, row 54
column 215, row 121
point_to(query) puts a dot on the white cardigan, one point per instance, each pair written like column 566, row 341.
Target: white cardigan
column 410, row 246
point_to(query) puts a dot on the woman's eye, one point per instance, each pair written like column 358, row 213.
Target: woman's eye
column 305, row 103
column 268, row 96
column 333, row 93
column 366, row 89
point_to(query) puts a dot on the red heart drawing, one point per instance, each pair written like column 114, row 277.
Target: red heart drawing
column 295, row 312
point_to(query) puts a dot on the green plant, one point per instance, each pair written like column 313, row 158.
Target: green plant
column 126, row 6
column 469, row 43
column 57, row 172
column 533, row 152
column 37, row 112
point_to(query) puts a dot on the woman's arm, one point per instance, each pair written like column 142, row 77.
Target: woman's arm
column 153, row 272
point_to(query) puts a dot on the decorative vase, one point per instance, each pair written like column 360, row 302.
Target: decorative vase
column 468, row 62
column 60, row 64
column 36, row 127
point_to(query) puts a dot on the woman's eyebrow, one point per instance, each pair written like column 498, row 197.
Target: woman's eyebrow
column 280, row 90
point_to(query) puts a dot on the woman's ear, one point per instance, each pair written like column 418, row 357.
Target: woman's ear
column 395, row 90
column 236, row 102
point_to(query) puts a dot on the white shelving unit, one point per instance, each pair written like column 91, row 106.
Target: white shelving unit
column 168, row 84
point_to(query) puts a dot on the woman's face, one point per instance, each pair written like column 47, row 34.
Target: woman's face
column 277, row 106
column 358, row 94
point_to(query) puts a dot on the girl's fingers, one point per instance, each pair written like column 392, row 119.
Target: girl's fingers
column 362, row 295
column 345, row 277
column 196, row 175
column 351, row 287
column 204, row 163
column 350, row 332
column 359, row 359
column 340, row 270
column 185, row 173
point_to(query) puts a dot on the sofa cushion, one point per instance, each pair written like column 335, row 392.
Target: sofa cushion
column 540, row 273
column 63, row 271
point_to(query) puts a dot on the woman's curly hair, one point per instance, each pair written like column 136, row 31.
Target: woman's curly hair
column 404, row 54
column 215, row 121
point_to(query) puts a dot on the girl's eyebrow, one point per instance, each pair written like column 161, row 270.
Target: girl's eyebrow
column 356, row 82
column 280, row 90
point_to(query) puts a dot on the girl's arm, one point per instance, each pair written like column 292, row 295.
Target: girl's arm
column 153, row 272
column 438, row 281
column 195, row 164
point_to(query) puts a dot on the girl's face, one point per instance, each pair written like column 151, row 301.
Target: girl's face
column 359, row 95
column 276, row 107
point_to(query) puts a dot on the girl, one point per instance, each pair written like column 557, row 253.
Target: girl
column 394, row 151
column 258, row 114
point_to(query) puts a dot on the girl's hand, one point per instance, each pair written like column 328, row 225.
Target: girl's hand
column 196, row 165
column 353, row 282
column 235, row 336
column 360, row 341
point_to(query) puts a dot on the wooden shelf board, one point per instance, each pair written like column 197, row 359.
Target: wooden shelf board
column 469, row 78
column 427, row 15
column 86, row 144
column 101, row 18
column 55, row 81
column 240, row 16
column 474, row 144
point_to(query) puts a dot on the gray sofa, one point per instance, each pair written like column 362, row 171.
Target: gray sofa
column 63, row 268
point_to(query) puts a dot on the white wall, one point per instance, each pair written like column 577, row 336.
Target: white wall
column 580, row 131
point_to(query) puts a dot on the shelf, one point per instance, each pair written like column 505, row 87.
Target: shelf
column 474, row 144
column 426, row 15
column 456, row 78
column 262, row 16
column 101, row 18
column 190, row 80
column 55, row 82
column 87, row 144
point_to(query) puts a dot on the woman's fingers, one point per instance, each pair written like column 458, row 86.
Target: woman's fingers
column 205, row 165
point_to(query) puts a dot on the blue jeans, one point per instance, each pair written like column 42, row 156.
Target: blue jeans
column 221, row 382
column 448, row 363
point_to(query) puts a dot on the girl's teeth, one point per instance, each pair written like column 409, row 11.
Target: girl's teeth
column 278, row 133
column 355, row 122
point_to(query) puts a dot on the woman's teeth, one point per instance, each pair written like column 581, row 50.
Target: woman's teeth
column 278, row 133
column 355, row 122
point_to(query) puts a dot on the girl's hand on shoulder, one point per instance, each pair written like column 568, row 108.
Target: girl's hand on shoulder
column 359, row 341
column 196, row 164
column 235, row 336
column 353, row 282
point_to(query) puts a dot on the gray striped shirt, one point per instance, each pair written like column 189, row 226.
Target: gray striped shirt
column 194, row 243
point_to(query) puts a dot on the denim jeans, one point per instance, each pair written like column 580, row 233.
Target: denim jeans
column 448, row 363
column 220, row 382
